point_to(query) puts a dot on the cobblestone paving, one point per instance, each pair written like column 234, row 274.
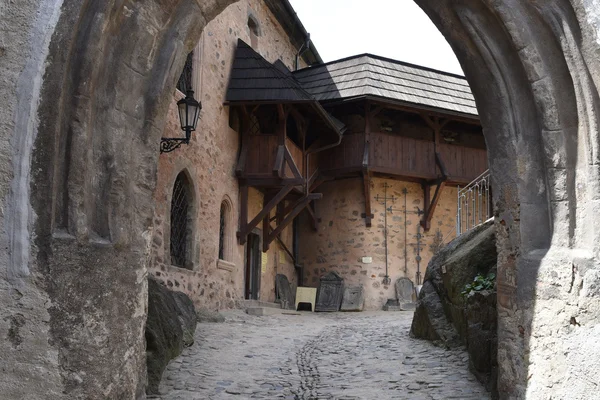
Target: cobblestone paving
column 317, row 356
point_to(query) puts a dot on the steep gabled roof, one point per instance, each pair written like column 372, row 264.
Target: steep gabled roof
column 255, row 80
column 367, row 75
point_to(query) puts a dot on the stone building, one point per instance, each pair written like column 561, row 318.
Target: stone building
column 230, row 218
column 413, row 138
column 198, row 195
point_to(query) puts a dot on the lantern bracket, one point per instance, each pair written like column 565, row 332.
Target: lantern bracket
column 167, row 145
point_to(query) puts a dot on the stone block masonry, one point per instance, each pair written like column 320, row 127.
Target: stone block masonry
column 209, row 162
column 342, row 241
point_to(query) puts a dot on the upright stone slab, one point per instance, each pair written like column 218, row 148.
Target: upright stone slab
column 354, row 298
column 284, row 292
column 404, row 292
column 330, row 293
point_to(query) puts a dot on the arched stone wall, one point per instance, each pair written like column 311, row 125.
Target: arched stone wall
column 92, row 107
column 84, row 114
column 533, row 67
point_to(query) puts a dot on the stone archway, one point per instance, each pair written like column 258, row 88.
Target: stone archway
column 99, row 76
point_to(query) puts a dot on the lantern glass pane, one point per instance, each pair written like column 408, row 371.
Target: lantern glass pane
column 196, row 115
column 190, row 115
column 182, row 107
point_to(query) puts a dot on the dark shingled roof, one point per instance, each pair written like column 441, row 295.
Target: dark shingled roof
column 255, row 80
column 368, row 75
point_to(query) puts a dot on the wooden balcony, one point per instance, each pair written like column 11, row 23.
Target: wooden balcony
column 392, row 154
column 264, row 161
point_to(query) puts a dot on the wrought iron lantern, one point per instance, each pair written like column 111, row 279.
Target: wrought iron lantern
column 189, row 112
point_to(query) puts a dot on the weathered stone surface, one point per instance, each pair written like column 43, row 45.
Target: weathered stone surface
column 342, row 245
column 443, row 314
column 312, row 356
column 405, row 290
column 354, row 298
column 284, row 292
column 214, row 283
column 170, row 327
column 405, row 293
column 481, row 315
column 330, row 293
column 205, row 315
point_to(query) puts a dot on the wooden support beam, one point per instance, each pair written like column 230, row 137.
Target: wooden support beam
column 312, row 179
column 279, row 214
column 441, row 165
column 264, row 213
column 281, row 127
column 279, row 158
column 368, row 215
column 290, row 217
column 318, row 182
column 314, row 222
column 241, row 164
column 291, row 163
column 286, row 249
column 271, row 182
column 426, row 222
column 266, row 230
column 243, row 212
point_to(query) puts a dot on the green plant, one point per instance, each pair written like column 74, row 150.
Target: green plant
column 479, row 283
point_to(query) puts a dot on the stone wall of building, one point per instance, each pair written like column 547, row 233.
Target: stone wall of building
column 209, row 162
column 343, row 240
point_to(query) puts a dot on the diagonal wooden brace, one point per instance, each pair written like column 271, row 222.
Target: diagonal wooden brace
column 247, row 228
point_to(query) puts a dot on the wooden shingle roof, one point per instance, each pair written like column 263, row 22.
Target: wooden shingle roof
column 255, row 80
column 367, row 75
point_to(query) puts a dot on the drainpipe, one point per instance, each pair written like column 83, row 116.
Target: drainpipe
column 303, row 49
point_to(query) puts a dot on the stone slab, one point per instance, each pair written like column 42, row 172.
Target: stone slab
column 330, row 293
column 284, row 292
column 405, row 290
column 353, row 299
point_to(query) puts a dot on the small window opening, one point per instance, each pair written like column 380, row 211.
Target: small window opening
column 181, row 225
column 222, row 232
column 225, row 234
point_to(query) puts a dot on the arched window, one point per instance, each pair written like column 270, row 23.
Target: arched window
column 254, row 30
column 181, row 222
column 225, row 231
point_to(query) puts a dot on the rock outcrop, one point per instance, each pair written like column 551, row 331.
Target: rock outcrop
column 170, row 327
column 446, row 316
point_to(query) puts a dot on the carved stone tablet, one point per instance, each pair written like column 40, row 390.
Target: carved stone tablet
column 354, row 298
column 405, row 291
column 284, row 292
column 330, row 293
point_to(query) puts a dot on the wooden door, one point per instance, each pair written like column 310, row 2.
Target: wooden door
column 253, row 265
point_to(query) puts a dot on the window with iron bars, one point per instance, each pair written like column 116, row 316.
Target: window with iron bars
column 222, row 231
column 185, row 80
column 180, row 222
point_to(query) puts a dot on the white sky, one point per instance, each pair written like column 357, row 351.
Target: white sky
column 396, row 29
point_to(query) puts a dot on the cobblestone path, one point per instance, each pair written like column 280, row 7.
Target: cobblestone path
column 317, row 356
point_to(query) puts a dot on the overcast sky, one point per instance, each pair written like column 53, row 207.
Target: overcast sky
column 395, row 29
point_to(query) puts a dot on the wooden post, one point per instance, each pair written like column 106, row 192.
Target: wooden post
column 243, row 214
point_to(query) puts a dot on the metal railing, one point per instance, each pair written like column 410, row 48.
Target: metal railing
column 474, row 204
